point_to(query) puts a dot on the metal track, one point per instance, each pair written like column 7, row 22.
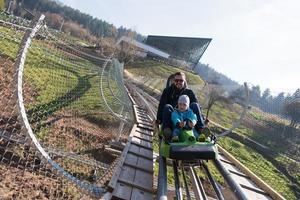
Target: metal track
column 133, row 178
column 243, row 183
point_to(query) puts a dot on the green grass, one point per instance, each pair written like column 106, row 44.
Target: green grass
column 62, row 84
column 226, row 115
column 60, row 80
column 157, row 78
column 260, row 166
column 10, row 41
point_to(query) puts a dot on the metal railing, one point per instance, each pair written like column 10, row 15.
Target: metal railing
column 57, row 113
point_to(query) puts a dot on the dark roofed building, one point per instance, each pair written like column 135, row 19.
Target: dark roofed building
column 187, row 50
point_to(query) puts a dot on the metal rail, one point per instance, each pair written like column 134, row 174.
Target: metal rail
column 78, row 158
column 213, row 182
column 241, row 191
column 26, row 42
column 133, row 178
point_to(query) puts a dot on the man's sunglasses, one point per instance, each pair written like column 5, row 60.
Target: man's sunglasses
column 178, row 80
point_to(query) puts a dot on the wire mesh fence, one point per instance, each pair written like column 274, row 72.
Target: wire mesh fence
column 266, row 142
column 267, row 138
column 58, row 111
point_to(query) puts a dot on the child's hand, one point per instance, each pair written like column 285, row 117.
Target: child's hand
column 191, row 124
column 181, row 124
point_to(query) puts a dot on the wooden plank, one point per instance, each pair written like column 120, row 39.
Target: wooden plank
column 122, row 191
column 246, row 182
column 142, row 168
column 143, row 117
column 257, row 190
column 140, row 151
column 127, row 173
column 145, row 164
column 141, row 155
column 143, row 139
column 141, row 121
column 239, row 174
column 134, row 149
column 144, row 179
column 142, row 135
column 141, row 143
column 145, row 132
column 231, row 167
column 146, row 152
column 131, row 159
column 140, row 194
column 253, row 177
column 113, row 181
column 146, row 124
column 145, row 127
column 146, row 143
column 138, row 107
column 133, row 130
column 255, row 195
column 141, row 112
column 133, row 184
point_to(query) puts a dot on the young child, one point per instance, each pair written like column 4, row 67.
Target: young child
column 183, row 117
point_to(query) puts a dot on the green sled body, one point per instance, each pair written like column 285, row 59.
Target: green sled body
column 188, row 148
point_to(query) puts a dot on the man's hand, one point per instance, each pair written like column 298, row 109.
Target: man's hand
column 181, row 124
column 157, row 122
column 206, row 122
column 191, row 124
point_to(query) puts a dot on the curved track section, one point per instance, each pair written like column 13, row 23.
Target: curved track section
column 93, row 189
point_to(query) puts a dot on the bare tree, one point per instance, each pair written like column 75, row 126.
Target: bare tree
column 127, row 50
column 216, row 94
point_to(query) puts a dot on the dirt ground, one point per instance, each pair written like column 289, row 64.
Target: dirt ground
column 67, row 131
column 19, row 184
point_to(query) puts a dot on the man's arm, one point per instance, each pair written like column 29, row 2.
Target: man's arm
column 162, row 103
column 193, row 97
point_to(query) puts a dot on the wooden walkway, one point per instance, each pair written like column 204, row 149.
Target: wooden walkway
column 133, row 178
column 252, row 186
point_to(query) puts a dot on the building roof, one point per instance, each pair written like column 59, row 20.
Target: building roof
column 144, row 46
column 189, row 49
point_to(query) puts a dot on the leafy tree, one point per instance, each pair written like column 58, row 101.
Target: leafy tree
column 266, row 100
column 278, row 103
column 297, row 93
column 266, row 94
column 292, row 110
column 97, row 27
column 255, row 95
column 238, row 95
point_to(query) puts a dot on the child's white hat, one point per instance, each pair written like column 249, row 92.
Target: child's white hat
column 184, row 99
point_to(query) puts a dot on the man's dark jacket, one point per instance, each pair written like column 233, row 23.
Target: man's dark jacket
column 170, row 95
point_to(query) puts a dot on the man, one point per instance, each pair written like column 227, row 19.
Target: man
column 168, row 101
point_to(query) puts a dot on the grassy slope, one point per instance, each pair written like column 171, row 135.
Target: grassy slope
column 64, row 84
column 224, row 116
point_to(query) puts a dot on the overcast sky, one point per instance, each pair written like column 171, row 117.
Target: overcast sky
column 256, row 41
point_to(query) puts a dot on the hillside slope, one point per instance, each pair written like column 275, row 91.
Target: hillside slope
column 276, row 167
